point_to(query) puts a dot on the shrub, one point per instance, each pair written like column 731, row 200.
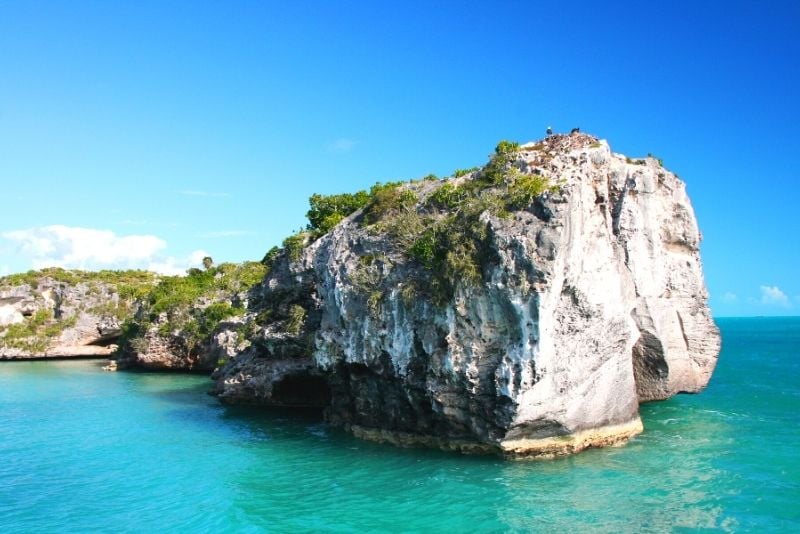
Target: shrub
column 448, row 196
column 270, row 256
column 463, row 172
column 294, row 245
column 388, row 198
column 525, row 189
column 36, row 333
column 326, row 211
column 295, row 320
column 454, row 251
column 495, row 171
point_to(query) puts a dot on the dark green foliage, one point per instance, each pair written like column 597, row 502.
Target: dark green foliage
column 448, row 196
column 295, row 319
column 179, row 291
column 270, row 256
column 524, row 189
column 209, row 318
column 455, row 251
column 388, row 198
column 430, row 178
column 463, row 172
column 368, row 279
column 496, row 170
column 131, row 330
column 294, row 245
column 175, row 292
column 425, row 248
column 327, row 210
column 506, row 148
column 180, row 300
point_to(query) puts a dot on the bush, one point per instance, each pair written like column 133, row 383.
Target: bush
column 328, row 210
column 448, row 196
column 294, row 245
column 270, row 257
column 295, row 320
column 495, row 171
column 525, row 189
column 388, row 198
column 463, row 172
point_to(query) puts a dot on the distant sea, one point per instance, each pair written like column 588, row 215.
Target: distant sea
column 82, row 450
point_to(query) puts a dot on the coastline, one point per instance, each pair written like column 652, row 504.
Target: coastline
column 548, row 448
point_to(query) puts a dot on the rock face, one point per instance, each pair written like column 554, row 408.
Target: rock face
column 191, row 323
column 49, row 318
column 590, row 301
column 155, row 350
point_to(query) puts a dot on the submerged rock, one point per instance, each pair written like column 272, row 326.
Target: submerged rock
column 536, row 327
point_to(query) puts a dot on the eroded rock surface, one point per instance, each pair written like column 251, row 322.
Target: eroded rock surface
column 46, row 318
column 590, row 300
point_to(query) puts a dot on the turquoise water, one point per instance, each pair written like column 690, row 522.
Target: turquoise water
column 84, row 450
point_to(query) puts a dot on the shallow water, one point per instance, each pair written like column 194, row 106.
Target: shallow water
column 85, row 450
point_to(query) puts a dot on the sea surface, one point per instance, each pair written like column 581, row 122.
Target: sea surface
column 82, row 450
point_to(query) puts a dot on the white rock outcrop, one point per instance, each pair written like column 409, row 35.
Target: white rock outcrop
column 592, row 301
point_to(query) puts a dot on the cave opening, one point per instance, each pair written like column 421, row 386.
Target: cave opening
column 302, row 390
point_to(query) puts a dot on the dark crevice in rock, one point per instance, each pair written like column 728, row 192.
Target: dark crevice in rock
column 302, row 390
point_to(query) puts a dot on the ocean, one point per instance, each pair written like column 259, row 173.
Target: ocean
column 85, row 450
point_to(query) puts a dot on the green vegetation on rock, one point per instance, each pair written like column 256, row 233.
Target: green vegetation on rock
column 326, row 211
column 191, row 307
column 36, row 333
column 129, row 284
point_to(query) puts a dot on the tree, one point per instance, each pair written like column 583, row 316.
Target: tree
column 207, row 262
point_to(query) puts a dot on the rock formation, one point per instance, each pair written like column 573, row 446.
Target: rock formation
column 57, row 313
column 536, row 331
column 525, row 308
column 190, row 323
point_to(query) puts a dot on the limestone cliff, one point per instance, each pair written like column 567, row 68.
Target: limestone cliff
column 525, row 308
column 59, row 313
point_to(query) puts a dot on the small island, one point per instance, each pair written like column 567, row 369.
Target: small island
column 525, row 308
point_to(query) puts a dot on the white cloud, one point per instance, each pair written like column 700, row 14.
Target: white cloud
column 196, row 193
column 173, row 266
column 226, row 233
column 772, row 295
column 729, row 297
column 342, row 145
column 4, row 270
column 75, row 247
column 89, row 248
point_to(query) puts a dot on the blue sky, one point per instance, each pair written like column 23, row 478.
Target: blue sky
column 149, row 133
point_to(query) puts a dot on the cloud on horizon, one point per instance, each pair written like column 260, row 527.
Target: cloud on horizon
column 174, row 266
column 73, row 247
column 772, row 295
column 729, row 297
